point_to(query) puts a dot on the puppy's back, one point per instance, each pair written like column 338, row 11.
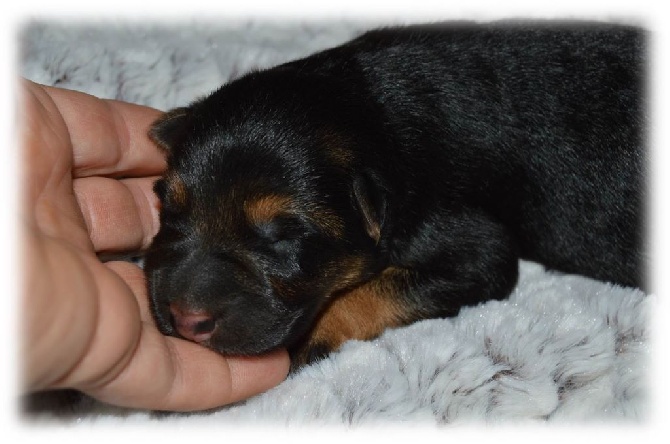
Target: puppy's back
column 541, row 123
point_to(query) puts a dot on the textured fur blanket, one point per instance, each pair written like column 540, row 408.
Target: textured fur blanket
column 560, row 348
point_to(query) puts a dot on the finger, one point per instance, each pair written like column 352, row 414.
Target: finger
column 177, row 375
column 45, row 143
column 108, row 137
column 135, row 279
column 120, row 215
column 248, row 372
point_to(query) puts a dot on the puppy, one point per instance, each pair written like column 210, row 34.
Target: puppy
column 398, row 177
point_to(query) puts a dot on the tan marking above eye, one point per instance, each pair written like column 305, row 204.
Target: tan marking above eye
column 176, row 189
column 266, row 208
column 263, row 209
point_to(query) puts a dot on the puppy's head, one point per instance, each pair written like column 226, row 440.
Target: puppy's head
column 265, row 215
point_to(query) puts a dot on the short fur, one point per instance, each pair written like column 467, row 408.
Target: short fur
column 399, row 177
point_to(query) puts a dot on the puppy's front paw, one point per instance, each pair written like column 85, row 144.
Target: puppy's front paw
column 362, row 313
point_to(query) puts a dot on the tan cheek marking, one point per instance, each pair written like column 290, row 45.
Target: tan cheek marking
column 353, row 271
column 265, row 208
column 345, row 273
column 364, row 312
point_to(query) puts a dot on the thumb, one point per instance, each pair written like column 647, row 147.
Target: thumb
column 176, row 375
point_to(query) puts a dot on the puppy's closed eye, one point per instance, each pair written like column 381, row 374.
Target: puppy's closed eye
column 283, row 234
column 272, row 219
column 281, row 228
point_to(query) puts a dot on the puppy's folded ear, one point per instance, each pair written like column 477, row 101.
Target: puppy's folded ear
column 371, row 204
column 170, row 128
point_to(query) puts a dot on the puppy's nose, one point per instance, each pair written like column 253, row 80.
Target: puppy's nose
column 196, row 326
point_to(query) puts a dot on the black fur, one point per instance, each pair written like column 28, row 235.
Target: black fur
column 465, row 146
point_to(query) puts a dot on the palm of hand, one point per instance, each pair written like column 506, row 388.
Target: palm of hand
column 88, row 173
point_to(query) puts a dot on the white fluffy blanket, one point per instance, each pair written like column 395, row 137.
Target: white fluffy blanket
column 561, row 348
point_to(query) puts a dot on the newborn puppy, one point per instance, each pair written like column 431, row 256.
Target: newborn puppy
column 398, row 177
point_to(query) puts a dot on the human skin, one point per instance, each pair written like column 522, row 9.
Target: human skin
column 88, row 169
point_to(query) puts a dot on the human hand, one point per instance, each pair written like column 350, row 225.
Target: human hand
column 88, row 170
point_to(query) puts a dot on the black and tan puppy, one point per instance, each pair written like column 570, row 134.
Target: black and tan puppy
column 398, row 177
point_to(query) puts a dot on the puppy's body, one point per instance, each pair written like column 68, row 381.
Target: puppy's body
column 398, row 177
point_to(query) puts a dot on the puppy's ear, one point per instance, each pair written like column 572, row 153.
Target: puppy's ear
column 170, row 128
column 371, row 204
